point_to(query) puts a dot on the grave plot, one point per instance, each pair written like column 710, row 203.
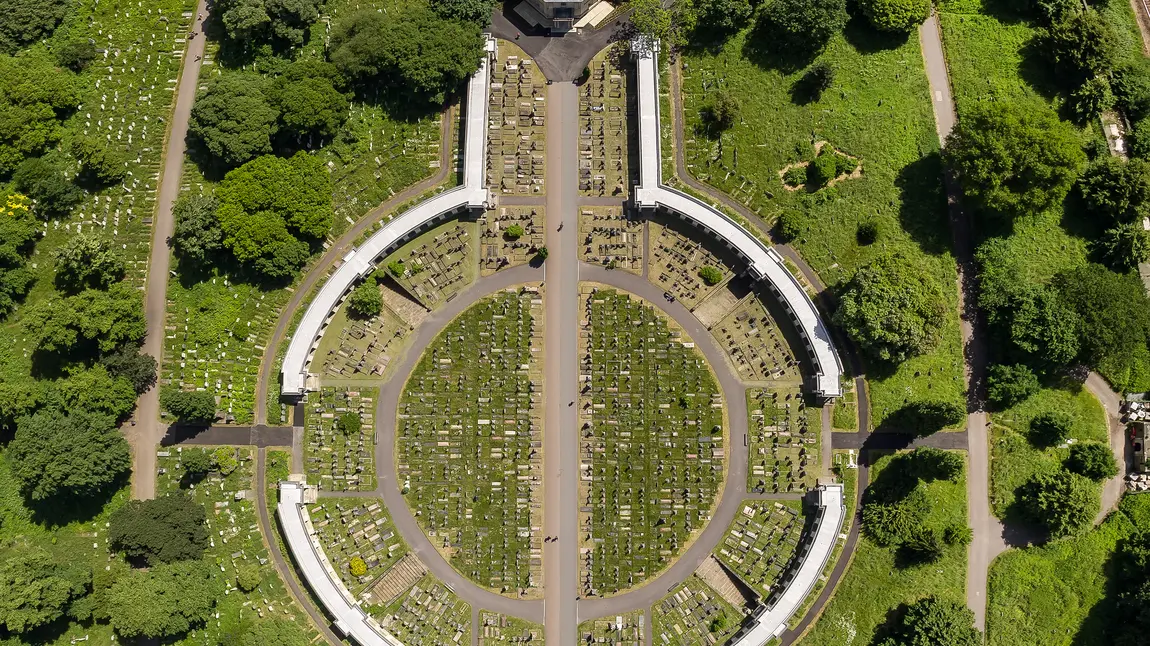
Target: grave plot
column 605, row 109
column 496, row 629
column 214, row 340
column 755, row 344
column 356, row 351
column 437, row 265
column 761, row 542
column 427, row 615
column 339, row 438
column 509, row 236
column 611, row 236
column 652, row 453
column 516, row 117
column 620, row 630
column 675, row 260
column 236, row 544
column 693, row 614
column 357, row 533
column 469, row 442
column 783, row 434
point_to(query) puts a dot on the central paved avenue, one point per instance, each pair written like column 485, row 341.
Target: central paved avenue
column 561, row 371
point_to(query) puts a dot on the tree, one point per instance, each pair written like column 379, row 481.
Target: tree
column 36, row 588
column 396, row 268
column 1113, row 323
column 232, row 119
column 197, row 236
column 18, row 231
column 23, row 22
column 893, row 308
column 1116, row 190
column 711, row 275
column 414, row 51
column 1092, row 98
column 541, row 254
column 76, row 55
column 1092, row 460
column 818, row 79
column 103, row 162
column 923, row 546
column 52, row 194
column 936, row 464
column 724, row 110
column 196, row 406
column 137, row 367
column 722, row 17
column 1013, row 160
column 270, row 206
column 513, row 232
column 718, row 624
column 958, row 534
column 1064, row 503
column 1081, row 46
column 248, row 575
column 94, row 390
column 900, row 16
column 791, row 224
column 1042, row 327
column 821, row 171
column 225, row 460
column 1131, row 568
column 165, row 601
column 1007, row 385
column 162, row 530
column 1130, row 83
column 275, row 632
column 282, row 22
column 308, row 99
column 34, row 98
column 889, row 520
column 802, row 25
column 867, row 232
column 931, row 621
column 357, row 566
column 1051, row 428
column 196, row 462
column 1124, row 246
column 476, row 11
column 672, row 25
column 91, row 320
column 365, row 301
column 67, row 457
column 349, row 423
column 88, row 261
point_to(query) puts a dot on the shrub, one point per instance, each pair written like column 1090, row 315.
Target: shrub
column 248, row 577
column 196, row 463
column 1092, row 460
column 349, row 423
column 899, row 16
column 188, row 406
column 162, row 530
column 1064, row 503
column 365, row 301
column 514, row 232
column 814, row 82
column 542, row 254
column 724, row 110
column 711, row 275
column 358, row 566
column 76, row 55
column 923, row 546
column 791, row 225
column 934, row 622
column 930, row 463
column 1091, row 98
column 821, row 171
column 958, row 535
column 396, row 268
column 867, row 232
column 225, row 460
column 1050, row 428
column 1007, row 385
column 795, row 176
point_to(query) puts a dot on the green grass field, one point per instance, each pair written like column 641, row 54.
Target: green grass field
column 467, row 441
column 1055, row 594
column 653, row 430
column 1014, row 459
column 875, row 585
column 878, row 110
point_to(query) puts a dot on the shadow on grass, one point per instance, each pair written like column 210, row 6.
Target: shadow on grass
column 57, row 512
column 868, row 40
column 766, row 51
column 922, row 204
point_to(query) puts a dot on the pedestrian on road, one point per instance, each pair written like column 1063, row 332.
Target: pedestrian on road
column 560, row 227
column 516, row 35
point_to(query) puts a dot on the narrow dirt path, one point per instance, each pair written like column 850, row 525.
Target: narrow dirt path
column 339, row 249
column 145, row 430
column 988, row 531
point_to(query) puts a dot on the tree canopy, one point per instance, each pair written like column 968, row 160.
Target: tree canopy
column 893, row 308
column 275, row 632
column 18, row 231
column 722, row 17
column 671, row 25
column 1064, row 503
column 34, row 97
column 233, row 120
column 270, row 207
column 23, row 22
column 36, row 588
column 103, row 162
column 91, row 320
column 131, row 364
column 198, row 406
column 900, row 16
column 197, row 236
column 1092, row 460
column 365, row 301
column 53, row 195
column 932, row 621
column 1007, row 385
column 415, row 51
column 164, row 601
column 309, row 100
column 1115, row 190
column 1013, row 160
column 1081, row 46
column 67, row 457
column 476, row 11
column 94, row 390
column 86, row 261
column 801, row 25
column 162, row 530
column 280, row 22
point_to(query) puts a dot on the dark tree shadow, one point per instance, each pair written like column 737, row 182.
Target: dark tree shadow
column 60, row 512
column 868, row 40
column 1036, row 69
column 922, row 204
column 913, row 420
column 766, row 51
column 892, row 619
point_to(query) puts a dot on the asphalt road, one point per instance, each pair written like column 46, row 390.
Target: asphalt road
column 146, row 430
column 561, row 369
column 1119, row 442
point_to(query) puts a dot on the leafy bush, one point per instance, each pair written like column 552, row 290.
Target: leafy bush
column 958, row 535
column 867, row 232
column 357, row 566
column 900, row 16
column 1007, row 385
column 791, row 224
column 365, row 301
column 821, row 171
column 724, row 110
column 931, row 621
column 349, row 423
column 795, row 176
column 198, row 406
column 542, row 254
column 514, row 232
column 162, row 530
column 711, row 275
column 248, row 577
column 396, row 268
column 86, row 261
column 1050, row 428
column 225, row 460
column 1092, row 460
column 1064, row 503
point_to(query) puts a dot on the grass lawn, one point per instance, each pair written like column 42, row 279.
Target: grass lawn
column 1054, row 594
column 874, row 585
column 878, row 111
column 1014, row 459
